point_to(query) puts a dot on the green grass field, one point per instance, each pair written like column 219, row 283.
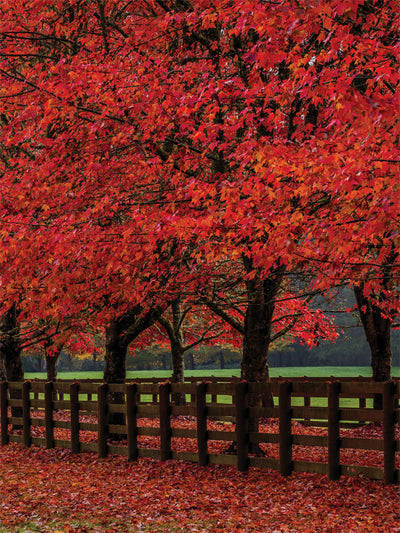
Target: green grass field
column 287, row 372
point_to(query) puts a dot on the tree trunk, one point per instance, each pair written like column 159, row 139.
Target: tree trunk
column 116, row 348
column 51, row 367
column 257, row 328
column 52, row 358
column 177, row 352
column 174, row 331
column 120, row 332
column 115, row 367
column 10, row 347
column 3, row 375
column 257, row 332
column 257, row 336
column 377, row 330
column 258, row 323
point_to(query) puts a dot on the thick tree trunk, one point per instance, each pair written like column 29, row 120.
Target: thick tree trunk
column 120, row 332
column 116, row 348
column 377, row 330
column 177, row 352
column 10, row 347
column 257, row 332
column 177, row 363
column 257, row 335
column 256, row 338
column 115, row 367
column 51, row 367
column 51, row 370
column 258, row 324
column 53, row 351
column 3, row 375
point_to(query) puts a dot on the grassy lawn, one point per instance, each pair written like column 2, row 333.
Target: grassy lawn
column 287, row 372
column 309, row 371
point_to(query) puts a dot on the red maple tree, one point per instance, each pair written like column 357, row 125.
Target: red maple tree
column 145, row 144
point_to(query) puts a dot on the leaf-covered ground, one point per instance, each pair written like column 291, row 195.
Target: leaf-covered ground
column 55, row 491
column 300, row 453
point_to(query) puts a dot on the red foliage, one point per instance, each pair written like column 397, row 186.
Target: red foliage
column 144, row 144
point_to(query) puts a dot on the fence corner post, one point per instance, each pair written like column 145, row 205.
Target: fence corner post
column 201, row 413
column 4, row 412
column 102, row 420
column 334, row 469
column 285, row 428
column 165, row 421
column 242, row 426
column 131, row 421
column 389, row 438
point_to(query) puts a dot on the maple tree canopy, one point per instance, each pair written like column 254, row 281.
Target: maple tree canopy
column 151, row 145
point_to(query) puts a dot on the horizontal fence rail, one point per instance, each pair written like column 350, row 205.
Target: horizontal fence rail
column 137, row 420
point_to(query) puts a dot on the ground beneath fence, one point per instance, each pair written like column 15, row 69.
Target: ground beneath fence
column 300, row 453
column 55, row 491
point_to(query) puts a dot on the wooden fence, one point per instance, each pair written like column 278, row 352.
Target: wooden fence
column 30, row 413
column 236, row 379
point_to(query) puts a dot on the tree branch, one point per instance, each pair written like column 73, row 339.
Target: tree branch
column 235, row 324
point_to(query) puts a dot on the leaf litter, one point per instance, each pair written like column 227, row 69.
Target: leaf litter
column 57, row 491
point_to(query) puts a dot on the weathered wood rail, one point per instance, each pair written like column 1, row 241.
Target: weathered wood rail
column 341, row 405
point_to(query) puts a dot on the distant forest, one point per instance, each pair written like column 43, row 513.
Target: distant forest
column 350, row 349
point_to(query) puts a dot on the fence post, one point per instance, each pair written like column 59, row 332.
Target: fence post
column 48, row 413
column 333, row 430
column 164, row 390
column 307, row 403
column 131, row 421
column 26, row 413
column 74, row 408
column 102, row 420
column 389, row 440
column 201, row 413
column 4, row 412
column 242, row 426
column 285, row 428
